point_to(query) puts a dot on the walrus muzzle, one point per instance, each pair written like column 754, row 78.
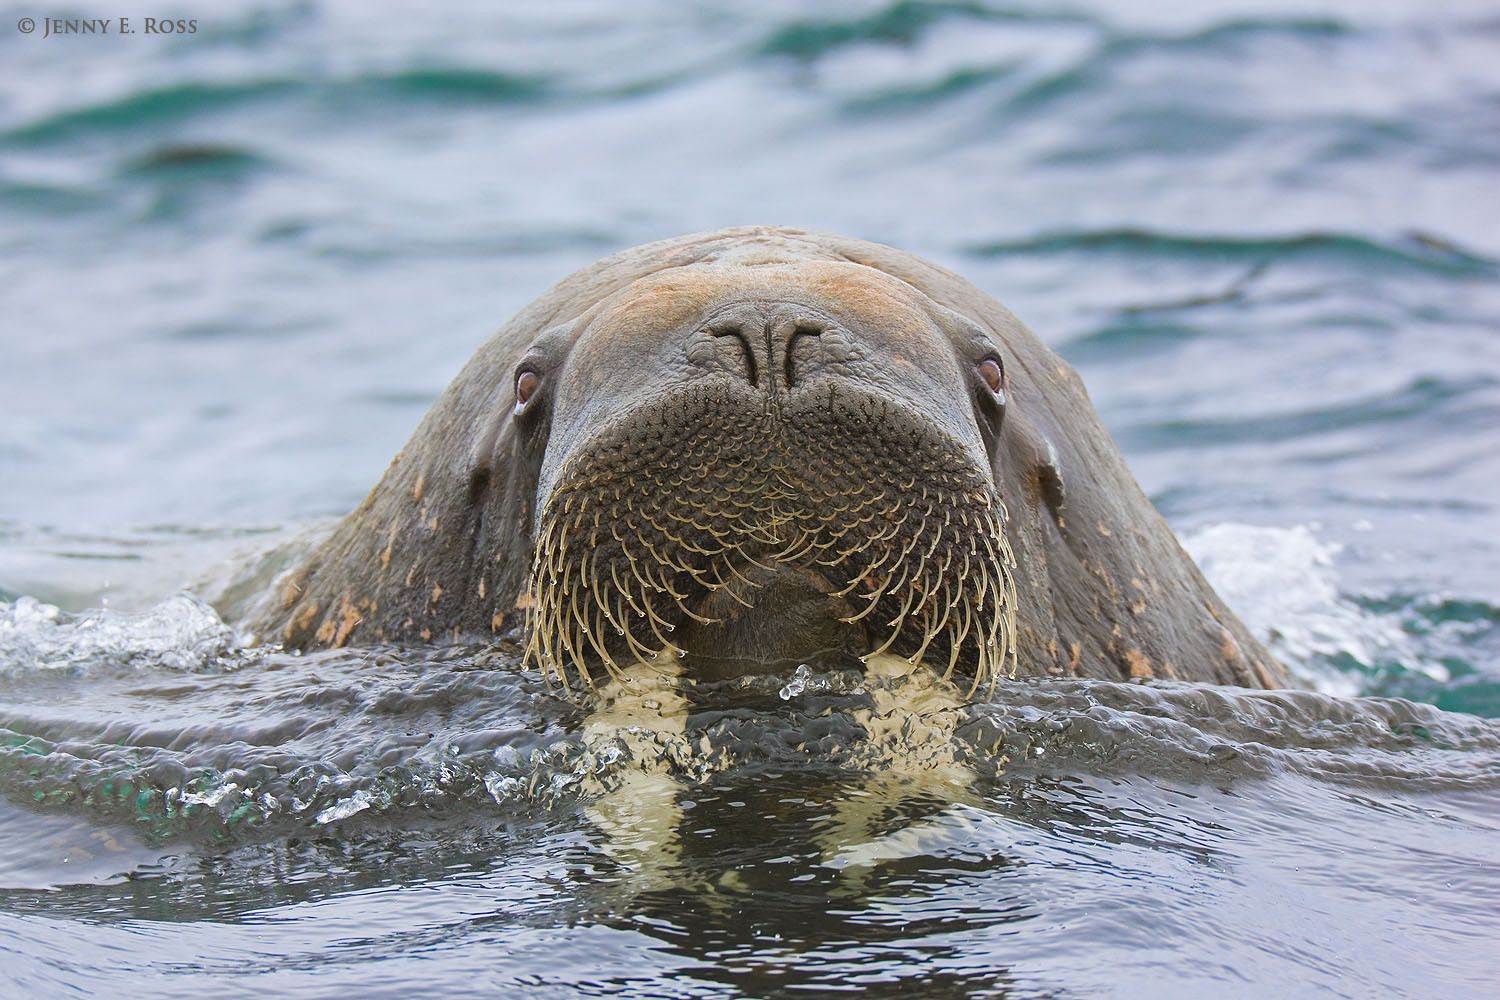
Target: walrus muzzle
column 748, row 531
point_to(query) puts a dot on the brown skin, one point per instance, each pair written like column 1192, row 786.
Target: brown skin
column 695, row 408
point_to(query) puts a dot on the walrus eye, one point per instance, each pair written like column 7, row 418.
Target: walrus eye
column 993, row 375
column 527, row 383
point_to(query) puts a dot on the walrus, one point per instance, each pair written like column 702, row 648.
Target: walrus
column 746, row 449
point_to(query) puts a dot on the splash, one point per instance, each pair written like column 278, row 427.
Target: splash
column 1283, row 584
column 181, row 634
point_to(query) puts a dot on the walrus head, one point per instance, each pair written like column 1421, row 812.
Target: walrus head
column 786, row 465
column 760, row 447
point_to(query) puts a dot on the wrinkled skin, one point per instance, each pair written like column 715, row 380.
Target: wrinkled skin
column 758, row 447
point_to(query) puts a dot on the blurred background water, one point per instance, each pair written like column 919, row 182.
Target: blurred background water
column 237, row 265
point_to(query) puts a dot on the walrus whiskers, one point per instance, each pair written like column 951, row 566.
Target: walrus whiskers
column 918, row 565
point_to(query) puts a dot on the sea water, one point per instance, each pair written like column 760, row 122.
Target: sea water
column 238, row 265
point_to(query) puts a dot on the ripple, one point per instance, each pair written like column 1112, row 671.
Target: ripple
column 161, row 108
column 899, row 23
column 1425, row 397
column 146, row 108
column 50, row 199
column 119, row 720
column 1417, row 253
column 179, row 162
column 1224, row 39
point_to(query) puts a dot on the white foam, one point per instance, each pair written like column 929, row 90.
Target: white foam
column 212, row 795
column 344, row 808
column 179, row 634
column 1283, row 584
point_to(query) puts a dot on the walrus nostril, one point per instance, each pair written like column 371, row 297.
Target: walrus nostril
column 800, row 334
column 733, row 329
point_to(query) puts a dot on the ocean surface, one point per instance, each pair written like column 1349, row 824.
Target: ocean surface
column 237, row 265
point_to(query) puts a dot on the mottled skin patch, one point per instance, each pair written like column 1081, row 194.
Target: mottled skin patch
column 1264, row 675
column 300, row 623
column 1139, row 604
column 291, row 590
column 1228, row 648
column 1104, row 590
column 390, row 544
column 338, row 627
column 1137, row 666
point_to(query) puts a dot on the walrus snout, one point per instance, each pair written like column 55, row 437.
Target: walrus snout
column 775, row 347
column 839, row 522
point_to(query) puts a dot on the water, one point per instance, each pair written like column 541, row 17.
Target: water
column 238, row 266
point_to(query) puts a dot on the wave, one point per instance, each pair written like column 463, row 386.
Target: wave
column 181, row 634
column 1220, row 39
column 904, row 23
column 901, row 23
column 1423, row 398
column 1416, row 252
column 146, row 108
column 180, row 160
column 1282, row 584
column 50, row 199
column 181, row 102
